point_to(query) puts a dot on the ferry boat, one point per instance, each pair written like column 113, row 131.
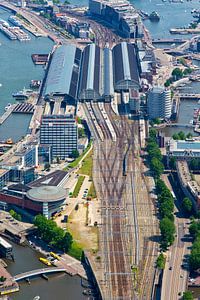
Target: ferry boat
column 22, row 95
column 8, row 106
column 13, row 20
column 154, row 16
column 45, row 261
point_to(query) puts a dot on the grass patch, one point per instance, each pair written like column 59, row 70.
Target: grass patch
column 92, row 191
column 78, row 186
column 76, row 250
column 75, row 163
column 87, row 165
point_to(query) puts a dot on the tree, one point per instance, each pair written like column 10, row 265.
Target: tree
column 66, row 243
column 81, row 132
column 167, row 229
column 177, row 73
column 160, row 186
column 187, row 205
column 187, row 295
column 15, row 215
column 157, row 167
column 194, row 229
column 175, row 136
column 160, row 263
column 52, row 234
column 75, row 153
column 166, row 209
column 194, row 259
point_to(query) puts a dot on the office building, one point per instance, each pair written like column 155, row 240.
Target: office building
column 61, row 133
column 159, row 103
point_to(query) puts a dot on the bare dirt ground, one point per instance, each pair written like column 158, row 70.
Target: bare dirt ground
column 85, row 236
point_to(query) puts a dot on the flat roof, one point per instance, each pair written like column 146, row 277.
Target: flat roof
column 54, row 179
column 181, row 146
column 46, row 193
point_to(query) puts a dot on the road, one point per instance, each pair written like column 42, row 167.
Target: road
column 175, row 275
column 127, row 213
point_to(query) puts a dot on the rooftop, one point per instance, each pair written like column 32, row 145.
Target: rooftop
column 54, row 179
column 4, row 243
column 46, row 193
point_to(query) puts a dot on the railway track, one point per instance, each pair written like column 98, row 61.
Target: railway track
column 123, row 243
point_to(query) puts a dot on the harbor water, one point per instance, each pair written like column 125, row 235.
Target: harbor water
column 16, row 72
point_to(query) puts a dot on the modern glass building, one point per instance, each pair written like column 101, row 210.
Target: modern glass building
column 159, row 103
column 61, row 133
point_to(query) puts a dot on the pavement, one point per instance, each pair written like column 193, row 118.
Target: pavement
column 175, row 275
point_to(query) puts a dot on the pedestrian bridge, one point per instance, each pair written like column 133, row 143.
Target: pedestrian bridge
column 189, row 96
column 37, row 272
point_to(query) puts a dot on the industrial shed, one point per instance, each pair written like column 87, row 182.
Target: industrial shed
column 63, row 74
column 125, row 67
column 90, row 78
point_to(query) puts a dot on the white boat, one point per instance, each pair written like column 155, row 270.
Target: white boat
column 36, row 298
column 7, row 106
column 198, row 102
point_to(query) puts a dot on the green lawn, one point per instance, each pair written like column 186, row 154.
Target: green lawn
column 75, row 251
column 78, row 186
column 92, row 191
column 87, row 165
column 75, row 163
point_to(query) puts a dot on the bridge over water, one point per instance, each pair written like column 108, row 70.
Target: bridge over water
column 38, row 272
column 189, row 96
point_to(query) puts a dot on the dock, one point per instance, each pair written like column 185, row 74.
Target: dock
column 9, row 285
column 24, row 108
column 7, row 113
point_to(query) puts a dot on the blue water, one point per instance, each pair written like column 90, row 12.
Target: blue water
column 16, row 72
column 171, row 14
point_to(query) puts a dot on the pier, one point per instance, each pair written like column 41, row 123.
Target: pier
column 24, row 108
column 7, row 113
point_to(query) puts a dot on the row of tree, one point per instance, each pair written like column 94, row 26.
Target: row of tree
column 194, row 259
column 181, row 135
column 166, row 209
column 165, row 198
column 52, row 234
column 154, row 154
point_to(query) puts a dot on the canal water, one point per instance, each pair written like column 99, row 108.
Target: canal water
column 60, row 286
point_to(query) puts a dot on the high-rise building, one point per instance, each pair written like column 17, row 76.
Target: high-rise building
column 61, row 133
column 159, row 103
